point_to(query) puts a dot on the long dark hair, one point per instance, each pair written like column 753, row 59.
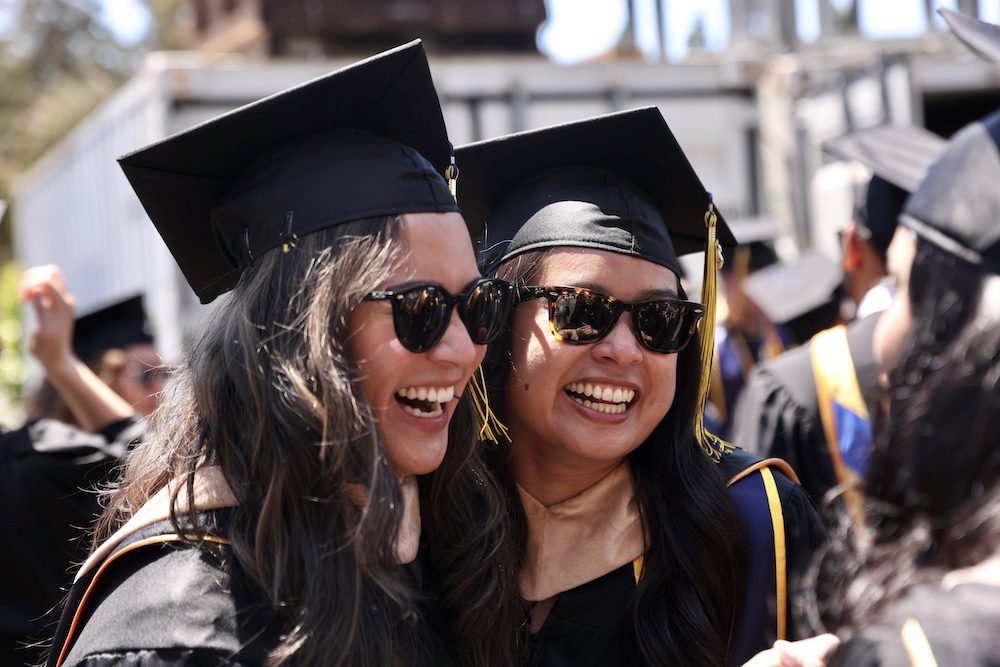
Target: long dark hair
column 269, row 393
column 933, row 483
column 687, row 606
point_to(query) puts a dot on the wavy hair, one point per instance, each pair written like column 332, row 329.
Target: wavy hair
column 933, row 483
column 269, row 393
column 688, row 602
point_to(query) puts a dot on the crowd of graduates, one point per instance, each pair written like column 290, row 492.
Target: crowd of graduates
column 457, row 406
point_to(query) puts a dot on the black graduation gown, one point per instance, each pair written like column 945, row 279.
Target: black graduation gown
column 588, row 624
column 778, row 412
column 174, row 603
column 961, row 626
column 47, row 469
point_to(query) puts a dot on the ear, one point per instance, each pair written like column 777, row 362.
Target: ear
column 853, row 251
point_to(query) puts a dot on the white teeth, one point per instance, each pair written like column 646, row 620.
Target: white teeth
column 606, row 408
column 616, row 396
column 438, row 395
column 420, row 413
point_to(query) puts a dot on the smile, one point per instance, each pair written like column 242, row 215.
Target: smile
column 425, row 401
column 602, row 398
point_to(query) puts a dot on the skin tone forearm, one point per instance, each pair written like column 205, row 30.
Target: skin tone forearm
column 94, row 405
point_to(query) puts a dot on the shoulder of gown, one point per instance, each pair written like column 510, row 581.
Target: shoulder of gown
column 168, row 603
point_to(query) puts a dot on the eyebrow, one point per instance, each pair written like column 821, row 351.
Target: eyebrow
column 648, row 295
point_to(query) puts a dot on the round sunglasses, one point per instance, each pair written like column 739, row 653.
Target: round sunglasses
column 581, row 316
column 420, row 314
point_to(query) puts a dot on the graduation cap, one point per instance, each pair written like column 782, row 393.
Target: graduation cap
column 367, row 140
column 980, row 37
column 618, row 182
column 112, row 327
column 899, row 157
column 957, row 207
column 800, row 295
column 754, row 236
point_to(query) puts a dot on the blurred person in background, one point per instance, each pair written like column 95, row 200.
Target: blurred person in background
column 743, row 336
column 814, row 405
column 919, row 584
column 50, row 470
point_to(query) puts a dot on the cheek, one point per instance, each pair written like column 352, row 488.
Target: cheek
column 663, row 384
column 379, row 357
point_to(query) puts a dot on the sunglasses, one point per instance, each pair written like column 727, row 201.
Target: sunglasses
column 420, row 314
column 580, row 316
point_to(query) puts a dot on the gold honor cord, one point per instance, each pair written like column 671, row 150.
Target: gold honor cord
column 711, row 444
column 491, row 426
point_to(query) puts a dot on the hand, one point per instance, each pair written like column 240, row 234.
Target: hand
column 811, row 652
column 46, row 289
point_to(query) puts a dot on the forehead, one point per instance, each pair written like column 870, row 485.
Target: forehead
column 428, row 238
column 624, row 276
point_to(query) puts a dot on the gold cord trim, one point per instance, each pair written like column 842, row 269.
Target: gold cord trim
column 780, row 574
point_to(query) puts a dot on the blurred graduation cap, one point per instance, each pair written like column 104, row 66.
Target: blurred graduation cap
column 899, row 157
column 980, row 37
column 367, row 140
column 801, row 296
column 754, row 249
column 957, row 207
column 618, row 182
column 112, row 327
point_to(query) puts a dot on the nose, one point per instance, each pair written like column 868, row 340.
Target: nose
column 456, row 347
column 620, row 345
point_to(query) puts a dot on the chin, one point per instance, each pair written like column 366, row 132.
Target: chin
column 419, row 458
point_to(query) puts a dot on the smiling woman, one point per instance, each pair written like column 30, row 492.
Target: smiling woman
column 272, row 517
column 641, row 538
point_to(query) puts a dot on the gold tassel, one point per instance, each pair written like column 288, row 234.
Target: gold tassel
column 491, row 426
column 451, row 175
column 711, row 444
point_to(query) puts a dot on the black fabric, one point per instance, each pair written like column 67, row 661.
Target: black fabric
column 980, row 37
column 957, row 207
column 304, row 178
column 47, row 503
column 178, row 603
column 778, row 412
column 111, row 327
column 900, row 155
column 618, row 182
column 883, row 202
column 960, row 625
column 589, row 624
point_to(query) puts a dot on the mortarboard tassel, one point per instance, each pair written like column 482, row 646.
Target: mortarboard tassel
column 711, row 444
column 451, row 174
column 487, row 418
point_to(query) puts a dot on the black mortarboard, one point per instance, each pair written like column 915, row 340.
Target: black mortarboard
column 754, row 251
column 112, row 327
column 787, row 291
column 617, row 182
column 980, row 37
column 899, row 157
column 957, row 207
column 367, row 140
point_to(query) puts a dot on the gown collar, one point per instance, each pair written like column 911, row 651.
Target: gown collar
column 582, row 538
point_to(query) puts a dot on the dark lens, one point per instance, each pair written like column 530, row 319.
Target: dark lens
column 581, row 317
column 484, row 310
column 664, row 326
column 421, row 317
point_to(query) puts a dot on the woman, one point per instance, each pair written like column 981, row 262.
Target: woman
column 266, row 518
column 921, row 584
column 630, row 549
